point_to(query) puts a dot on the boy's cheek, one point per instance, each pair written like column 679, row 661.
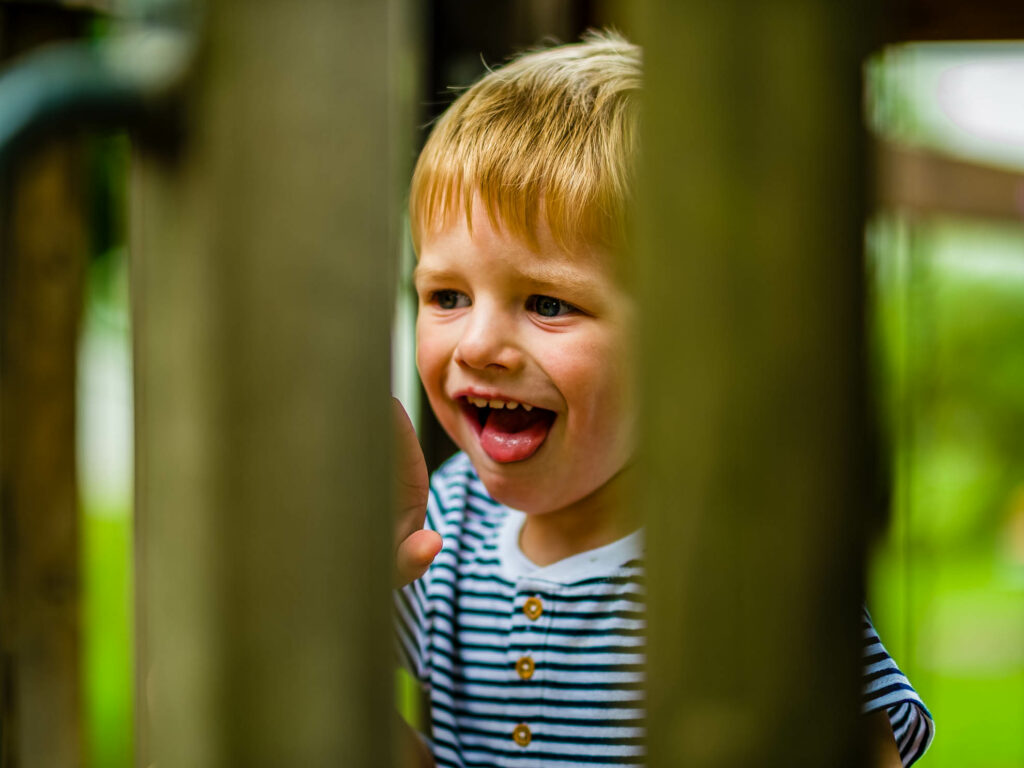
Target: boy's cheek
column 427, row 352
column 431, row 365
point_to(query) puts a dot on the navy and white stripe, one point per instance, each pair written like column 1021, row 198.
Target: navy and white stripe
column 885, row 686
column 462, row 628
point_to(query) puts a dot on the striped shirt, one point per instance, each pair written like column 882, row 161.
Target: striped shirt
column 542, row 667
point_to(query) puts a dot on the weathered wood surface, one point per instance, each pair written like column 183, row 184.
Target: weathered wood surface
column 263, row 270
column 753, row 472
column 43, row 246
column 924, row 182
column 944, row 20
column 43, row 259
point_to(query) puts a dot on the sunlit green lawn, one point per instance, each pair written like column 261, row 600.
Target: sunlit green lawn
column 108, row 657
column 947, row 587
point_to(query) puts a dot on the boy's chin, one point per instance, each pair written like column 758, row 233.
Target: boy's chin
column 526, row 487
column 507, row 483
column 517, row 496
column 527, row 494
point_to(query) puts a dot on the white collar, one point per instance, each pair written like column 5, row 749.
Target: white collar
column 594, row 563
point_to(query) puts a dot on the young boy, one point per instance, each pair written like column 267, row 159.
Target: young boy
column 527, row 628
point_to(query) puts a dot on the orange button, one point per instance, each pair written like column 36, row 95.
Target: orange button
column 521, row 735
column 525, row 667
column 533, row 608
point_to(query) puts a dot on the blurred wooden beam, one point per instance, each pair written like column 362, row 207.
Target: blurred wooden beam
column 927, row 182
column 43, row 260
column 43, row 247
column 935, row 20
column 753, row 444
column 66, row 6
column 27, row 24
column 263, row 258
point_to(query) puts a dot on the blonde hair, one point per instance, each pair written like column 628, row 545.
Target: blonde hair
column 552, row 132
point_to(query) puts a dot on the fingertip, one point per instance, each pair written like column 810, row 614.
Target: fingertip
column 415, row 555
column 426, row 546
column 436, row 543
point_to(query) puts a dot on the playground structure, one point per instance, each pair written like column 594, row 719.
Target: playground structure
column 271, row 155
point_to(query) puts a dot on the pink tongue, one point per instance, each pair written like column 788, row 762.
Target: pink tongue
column 514, row 435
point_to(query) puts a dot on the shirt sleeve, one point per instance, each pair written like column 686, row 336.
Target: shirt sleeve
column 410, row 625
column 413, row 611
column 886, row 687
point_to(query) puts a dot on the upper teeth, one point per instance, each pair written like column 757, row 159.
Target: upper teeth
column 483, row 402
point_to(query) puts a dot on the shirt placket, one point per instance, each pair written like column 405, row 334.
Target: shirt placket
column 532, row 615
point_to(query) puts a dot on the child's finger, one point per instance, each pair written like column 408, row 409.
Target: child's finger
column 412, row 482
column 414, row 555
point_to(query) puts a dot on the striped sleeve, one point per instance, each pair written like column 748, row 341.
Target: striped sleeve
column 886, row 687
column 415, row 604
column 412, row 608
column 410, row 628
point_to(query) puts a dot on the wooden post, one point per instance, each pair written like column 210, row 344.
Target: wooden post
column 43, row 262
column 263, row 279
column 754, row 475
column 42, row 257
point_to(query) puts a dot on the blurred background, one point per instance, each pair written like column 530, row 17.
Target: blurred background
column 945, row 258
column 946, row 261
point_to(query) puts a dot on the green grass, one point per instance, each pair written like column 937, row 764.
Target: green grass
column 964, row 651
column 107, row 637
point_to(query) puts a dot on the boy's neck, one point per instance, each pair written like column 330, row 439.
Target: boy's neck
column 594, row 521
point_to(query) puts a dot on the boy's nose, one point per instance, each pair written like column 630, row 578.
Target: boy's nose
column 488, row 342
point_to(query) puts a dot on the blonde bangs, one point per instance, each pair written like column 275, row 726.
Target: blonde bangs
column 551, row 134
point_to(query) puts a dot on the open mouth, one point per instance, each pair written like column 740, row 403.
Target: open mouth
column 508, row 431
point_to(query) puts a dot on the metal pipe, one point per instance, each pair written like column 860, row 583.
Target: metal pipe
column 117, row 83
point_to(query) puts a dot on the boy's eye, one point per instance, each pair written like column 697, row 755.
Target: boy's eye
column 448, row 299
column 549, row 306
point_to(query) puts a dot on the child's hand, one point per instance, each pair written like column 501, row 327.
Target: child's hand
column 415, row 548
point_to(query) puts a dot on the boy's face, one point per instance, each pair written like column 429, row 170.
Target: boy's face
column 546, row 331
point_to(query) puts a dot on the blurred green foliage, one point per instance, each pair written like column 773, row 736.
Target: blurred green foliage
column 104, row 436
column 948, row 583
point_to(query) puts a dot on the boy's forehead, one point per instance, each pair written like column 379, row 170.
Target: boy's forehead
column 482, row 243
column 556, row 277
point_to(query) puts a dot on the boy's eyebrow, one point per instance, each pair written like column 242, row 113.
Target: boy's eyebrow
column 542, row 278
column 559, row 280
column 435, row 275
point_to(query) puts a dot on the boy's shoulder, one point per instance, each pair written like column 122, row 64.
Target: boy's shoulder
column 456, row 466
column 459, row 501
